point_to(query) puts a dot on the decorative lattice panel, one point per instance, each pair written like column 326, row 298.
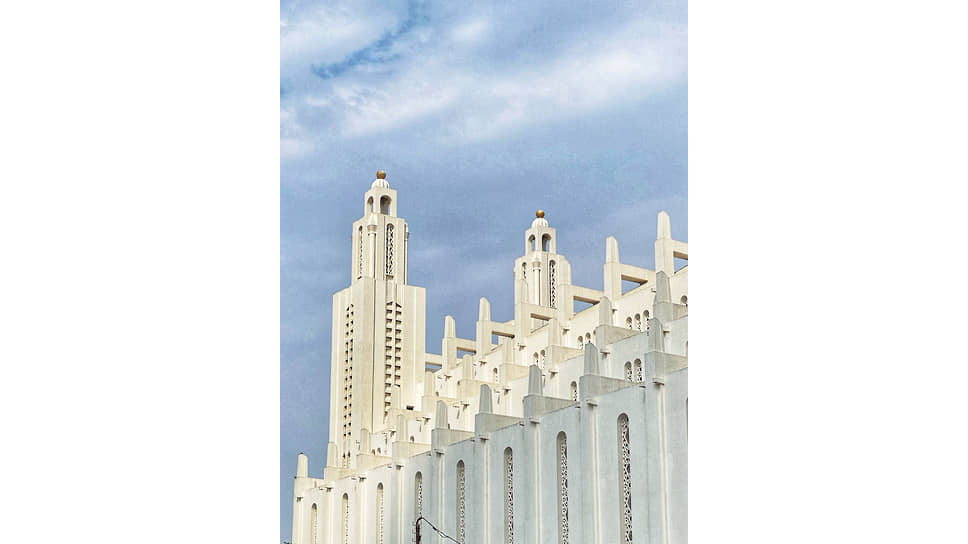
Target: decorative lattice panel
column 313, row 524
column 553, row 281
column 508, row 497
column 346, row 519
column 625, row 462
column 460, row 502
column 418, row 494
column 562, row 489
column 360, row 272
column 379, row 514
column 389, row 250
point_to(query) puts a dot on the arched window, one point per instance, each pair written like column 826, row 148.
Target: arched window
column 379, row 513
column 389, row 251
column 574, row 391
column 495, row 375
column 360, row 236
column 628, row 371
column 545, row 242
column 581, row 342
column 684, row 301
column 369, row 205
column 588, row 337
column 628, row 323
column 345, row 522
column 541, row 362
column 460, row 502
column 411, row 439
column 638, row 322
column 562, row 488
column 552, row 284
column 313, row 524
column 531, row 243
column 418, row 494
column 534, row 358
column 638, row 370
column 508, row 497
column 384, row 204
column 625, row 478
column 524, row 271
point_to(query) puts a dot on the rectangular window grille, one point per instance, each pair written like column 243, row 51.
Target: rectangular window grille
column 460, row 502
column 562, row 489
column 552, row 279
column 347, row 366
column 418, row 494
column 360, row 272
column 346, row 520
column 379, row 514
column 625, row 466
column 313, row 521
column 508, row 497
column 389, row 251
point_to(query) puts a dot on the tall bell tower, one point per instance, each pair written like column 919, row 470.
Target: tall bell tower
column 378, row 329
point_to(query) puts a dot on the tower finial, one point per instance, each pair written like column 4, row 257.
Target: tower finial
column 539, row 214
column 381, row 174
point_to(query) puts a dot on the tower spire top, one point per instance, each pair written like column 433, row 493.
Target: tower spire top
column 539, row 219
column 381, row 180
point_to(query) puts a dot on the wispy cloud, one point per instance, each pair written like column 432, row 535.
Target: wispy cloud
column 458, row 73
column 378, row 52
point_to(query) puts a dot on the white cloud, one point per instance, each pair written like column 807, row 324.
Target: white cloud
column 574, row 84
column 468, row 100
column 390, row 108
column 327, row 34
column 294, row 148
column 470, row 31
column 294, row 142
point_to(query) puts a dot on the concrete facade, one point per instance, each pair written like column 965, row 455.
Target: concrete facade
column 571, row 428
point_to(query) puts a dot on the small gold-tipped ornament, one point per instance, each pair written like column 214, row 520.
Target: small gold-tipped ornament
column 381, row 175
column 539, row 213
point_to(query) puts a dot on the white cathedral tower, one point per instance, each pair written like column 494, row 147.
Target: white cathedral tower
column 570, row 427
column 378, row 330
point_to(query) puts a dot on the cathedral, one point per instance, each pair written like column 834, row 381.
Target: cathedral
column 556, row 426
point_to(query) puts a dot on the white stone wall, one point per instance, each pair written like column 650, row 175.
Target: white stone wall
column 657, row 416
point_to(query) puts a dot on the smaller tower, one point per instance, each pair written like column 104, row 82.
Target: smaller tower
column 380, row 237
column 542, row 279
column 541, row 267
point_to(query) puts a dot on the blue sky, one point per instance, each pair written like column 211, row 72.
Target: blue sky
column 480, row 113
